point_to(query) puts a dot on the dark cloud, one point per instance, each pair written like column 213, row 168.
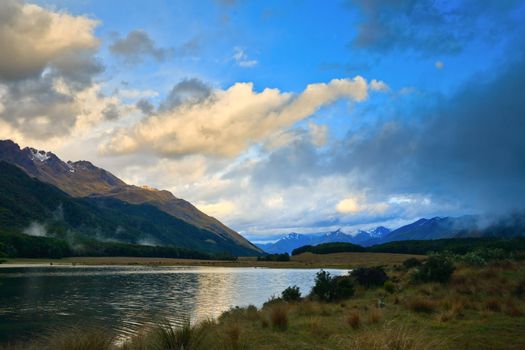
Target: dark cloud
column 429, row 26
column 111, row 112
column 186, row 91
column 466, row 152
column 136, row 46
column 145, row 106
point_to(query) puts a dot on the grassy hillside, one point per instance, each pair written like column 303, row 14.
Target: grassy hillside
column 31, row 206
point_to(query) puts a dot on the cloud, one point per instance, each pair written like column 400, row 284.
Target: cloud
column 37, row 39
column 229, row 121
column 49, row 71
column 428, row 27
column 241, row 58
column 219, row 209
column 188, row 91
column 136, row 46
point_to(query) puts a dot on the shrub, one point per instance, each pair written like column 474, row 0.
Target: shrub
column 436, row 269
column 328, row 288
column 279, row 317
column 411, row 262
column 291, row 294
column 369, row 276
column 389, row 286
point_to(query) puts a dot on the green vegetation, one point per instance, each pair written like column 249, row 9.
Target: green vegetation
column 26, row 202
column 328, row 248
column 274, row 257
column 478, row 308
column 486, row 248
column 514, row 245
column 436, row 268
column 291, row 294
column 24, row 246
column 369, row 276
column 328, row 288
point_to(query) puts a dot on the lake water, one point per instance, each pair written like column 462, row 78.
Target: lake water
column 126, row 298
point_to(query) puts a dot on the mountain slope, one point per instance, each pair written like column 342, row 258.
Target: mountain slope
column 37, row 208
column 82, row 179
column 512, row 225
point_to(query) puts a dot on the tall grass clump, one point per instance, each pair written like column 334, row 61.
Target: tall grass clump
column 185, row 337
column 392, row 337
column 279, row 317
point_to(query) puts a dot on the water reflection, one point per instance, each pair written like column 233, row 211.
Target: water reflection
column 126, row 298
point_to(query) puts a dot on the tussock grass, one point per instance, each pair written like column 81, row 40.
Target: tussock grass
column 354, row 320
column 279, row 317
column 422, row 305
column 391, row 337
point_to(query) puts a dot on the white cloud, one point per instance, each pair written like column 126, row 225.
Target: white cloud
column 378, row 85
column 218, row 209
column 241, row 57
column 229, row 121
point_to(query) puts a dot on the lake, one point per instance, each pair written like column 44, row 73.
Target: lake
column 126, row 298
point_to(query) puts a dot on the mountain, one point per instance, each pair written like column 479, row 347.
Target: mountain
column 295, row 240
column 83, row 179
column 30, row 206
column 512, row 225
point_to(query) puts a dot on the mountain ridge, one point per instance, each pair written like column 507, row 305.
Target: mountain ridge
column 83, row 179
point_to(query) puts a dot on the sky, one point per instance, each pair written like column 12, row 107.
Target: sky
column 279, row 116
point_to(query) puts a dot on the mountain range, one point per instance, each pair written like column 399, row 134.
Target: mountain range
column 512, row 225
column 82, row 183
column 295, row 240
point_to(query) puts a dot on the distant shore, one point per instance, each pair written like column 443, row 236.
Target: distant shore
column 306, row 260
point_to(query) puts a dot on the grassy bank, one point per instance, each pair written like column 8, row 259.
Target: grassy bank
column 477, row 308
column 307, row 260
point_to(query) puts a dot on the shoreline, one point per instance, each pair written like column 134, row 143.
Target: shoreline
column 302, row 261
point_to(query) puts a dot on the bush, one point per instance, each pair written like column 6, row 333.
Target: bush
column 291, row 294
column 411, row 262
column 389, row 286
column 437, row 268
column 369, row 276
column 328, row 288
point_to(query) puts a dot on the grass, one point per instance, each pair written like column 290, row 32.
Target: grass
column 306, row 260
column 472, row 311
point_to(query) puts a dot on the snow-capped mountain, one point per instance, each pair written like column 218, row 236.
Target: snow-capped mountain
column 294, row 240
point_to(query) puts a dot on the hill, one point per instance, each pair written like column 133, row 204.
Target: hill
column 83, row 179
column 35, row 208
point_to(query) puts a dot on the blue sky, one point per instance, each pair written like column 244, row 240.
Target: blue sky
column 156, row 95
